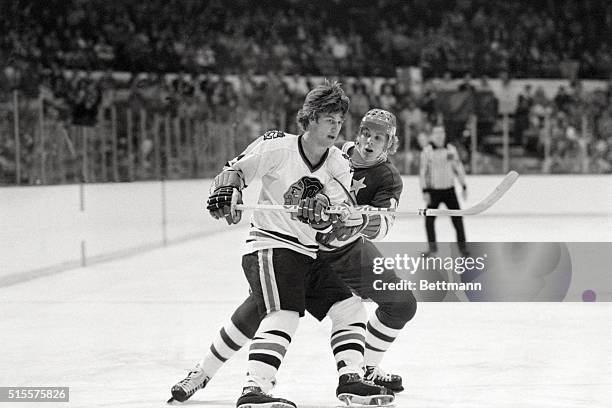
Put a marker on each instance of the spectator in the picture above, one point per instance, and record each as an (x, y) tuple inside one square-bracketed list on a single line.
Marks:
[(387, 99), (507, 102), (360, 102), (412, 119), (85, 102), (562, 99)]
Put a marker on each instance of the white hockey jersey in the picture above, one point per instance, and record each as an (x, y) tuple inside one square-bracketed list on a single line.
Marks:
[(287, 176)]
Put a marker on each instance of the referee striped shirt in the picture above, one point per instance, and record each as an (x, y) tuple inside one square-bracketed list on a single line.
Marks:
[(439, 166)]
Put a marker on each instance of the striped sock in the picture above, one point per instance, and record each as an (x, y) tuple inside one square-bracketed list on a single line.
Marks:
[(224, 346), (347, 346), (379, 338), (232, 337), (348, 334), (268, 348)]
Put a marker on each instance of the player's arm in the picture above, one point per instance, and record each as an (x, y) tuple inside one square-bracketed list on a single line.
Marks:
[(344, 227), (248, 162), (378, 225), (226, 189), (374, 226)]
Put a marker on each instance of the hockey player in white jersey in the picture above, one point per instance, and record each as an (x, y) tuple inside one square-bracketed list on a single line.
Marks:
[(305, 170)]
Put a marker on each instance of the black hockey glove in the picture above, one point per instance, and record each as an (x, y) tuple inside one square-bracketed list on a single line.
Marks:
[(312, 211), (226, 194), (221, 204)]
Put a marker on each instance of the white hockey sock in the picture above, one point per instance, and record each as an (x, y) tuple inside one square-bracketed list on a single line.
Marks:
[(224, 346), (268, 348), (379, 338), (347, 339)]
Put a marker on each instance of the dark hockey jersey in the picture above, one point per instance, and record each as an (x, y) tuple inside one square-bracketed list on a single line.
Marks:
[(380, 186), (377, 186)]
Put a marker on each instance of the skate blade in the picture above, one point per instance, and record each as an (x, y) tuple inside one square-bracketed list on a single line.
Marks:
[(370, 400), (267, 405), (175, 401)]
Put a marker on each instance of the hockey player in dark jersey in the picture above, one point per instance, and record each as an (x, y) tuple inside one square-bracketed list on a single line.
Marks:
[(345, 250), (376, 182)]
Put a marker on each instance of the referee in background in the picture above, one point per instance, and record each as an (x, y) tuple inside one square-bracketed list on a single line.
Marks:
[(440, 164)]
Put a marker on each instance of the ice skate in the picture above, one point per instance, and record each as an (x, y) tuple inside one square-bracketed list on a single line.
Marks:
[(352, 390), (184, 389), (253, 397), (379, 377)]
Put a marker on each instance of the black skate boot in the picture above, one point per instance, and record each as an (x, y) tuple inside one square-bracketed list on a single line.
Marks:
[(253, 397), (352, 390), (184, 389), (379, 377)]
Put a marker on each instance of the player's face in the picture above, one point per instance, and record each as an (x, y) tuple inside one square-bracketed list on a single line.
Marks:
[(371, 143), (326, 129)]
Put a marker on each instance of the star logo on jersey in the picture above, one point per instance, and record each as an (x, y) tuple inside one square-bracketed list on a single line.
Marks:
[(357, 185)]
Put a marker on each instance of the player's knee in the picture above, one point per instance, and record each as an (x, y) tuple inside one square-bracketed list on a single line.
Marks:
[(285, 321), (347, 312), (397, 314), (247, 317)]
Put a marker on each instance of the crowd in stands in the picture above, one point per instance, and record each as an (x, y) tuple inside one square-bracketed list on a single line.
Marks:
[(248, 68), (570, 132), (354, 37)]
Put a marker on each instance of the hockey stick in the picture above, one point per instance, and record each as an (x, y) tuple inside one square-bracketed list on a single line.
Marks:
[(478, 208)]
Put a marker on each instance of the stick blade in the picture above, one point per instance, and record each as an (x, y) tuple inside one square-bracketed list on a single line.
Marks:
[(494, 196)]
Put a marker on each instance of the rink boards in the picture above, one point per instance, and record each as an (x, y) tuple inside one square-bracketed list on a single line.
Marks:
[(119, 333)]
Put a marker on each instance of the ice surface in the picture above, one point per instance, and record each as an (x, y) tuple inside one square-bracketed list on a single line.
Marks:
[(121, 333)]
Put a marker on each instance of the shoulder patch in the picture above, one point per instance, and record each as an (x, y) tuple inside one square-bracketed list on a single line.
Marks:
[(346, 146), (273, 134), (339, 152), (350, 162)]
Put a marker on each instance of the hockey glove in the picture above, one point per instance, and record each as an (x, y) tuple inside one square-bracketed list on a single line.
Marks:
[(222, 204), (311, 210), (226, 194), (343, 230)]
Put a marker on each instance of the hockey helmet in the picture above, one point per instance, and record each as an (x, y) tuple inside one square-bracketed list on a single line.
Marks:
[(380, 119)]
